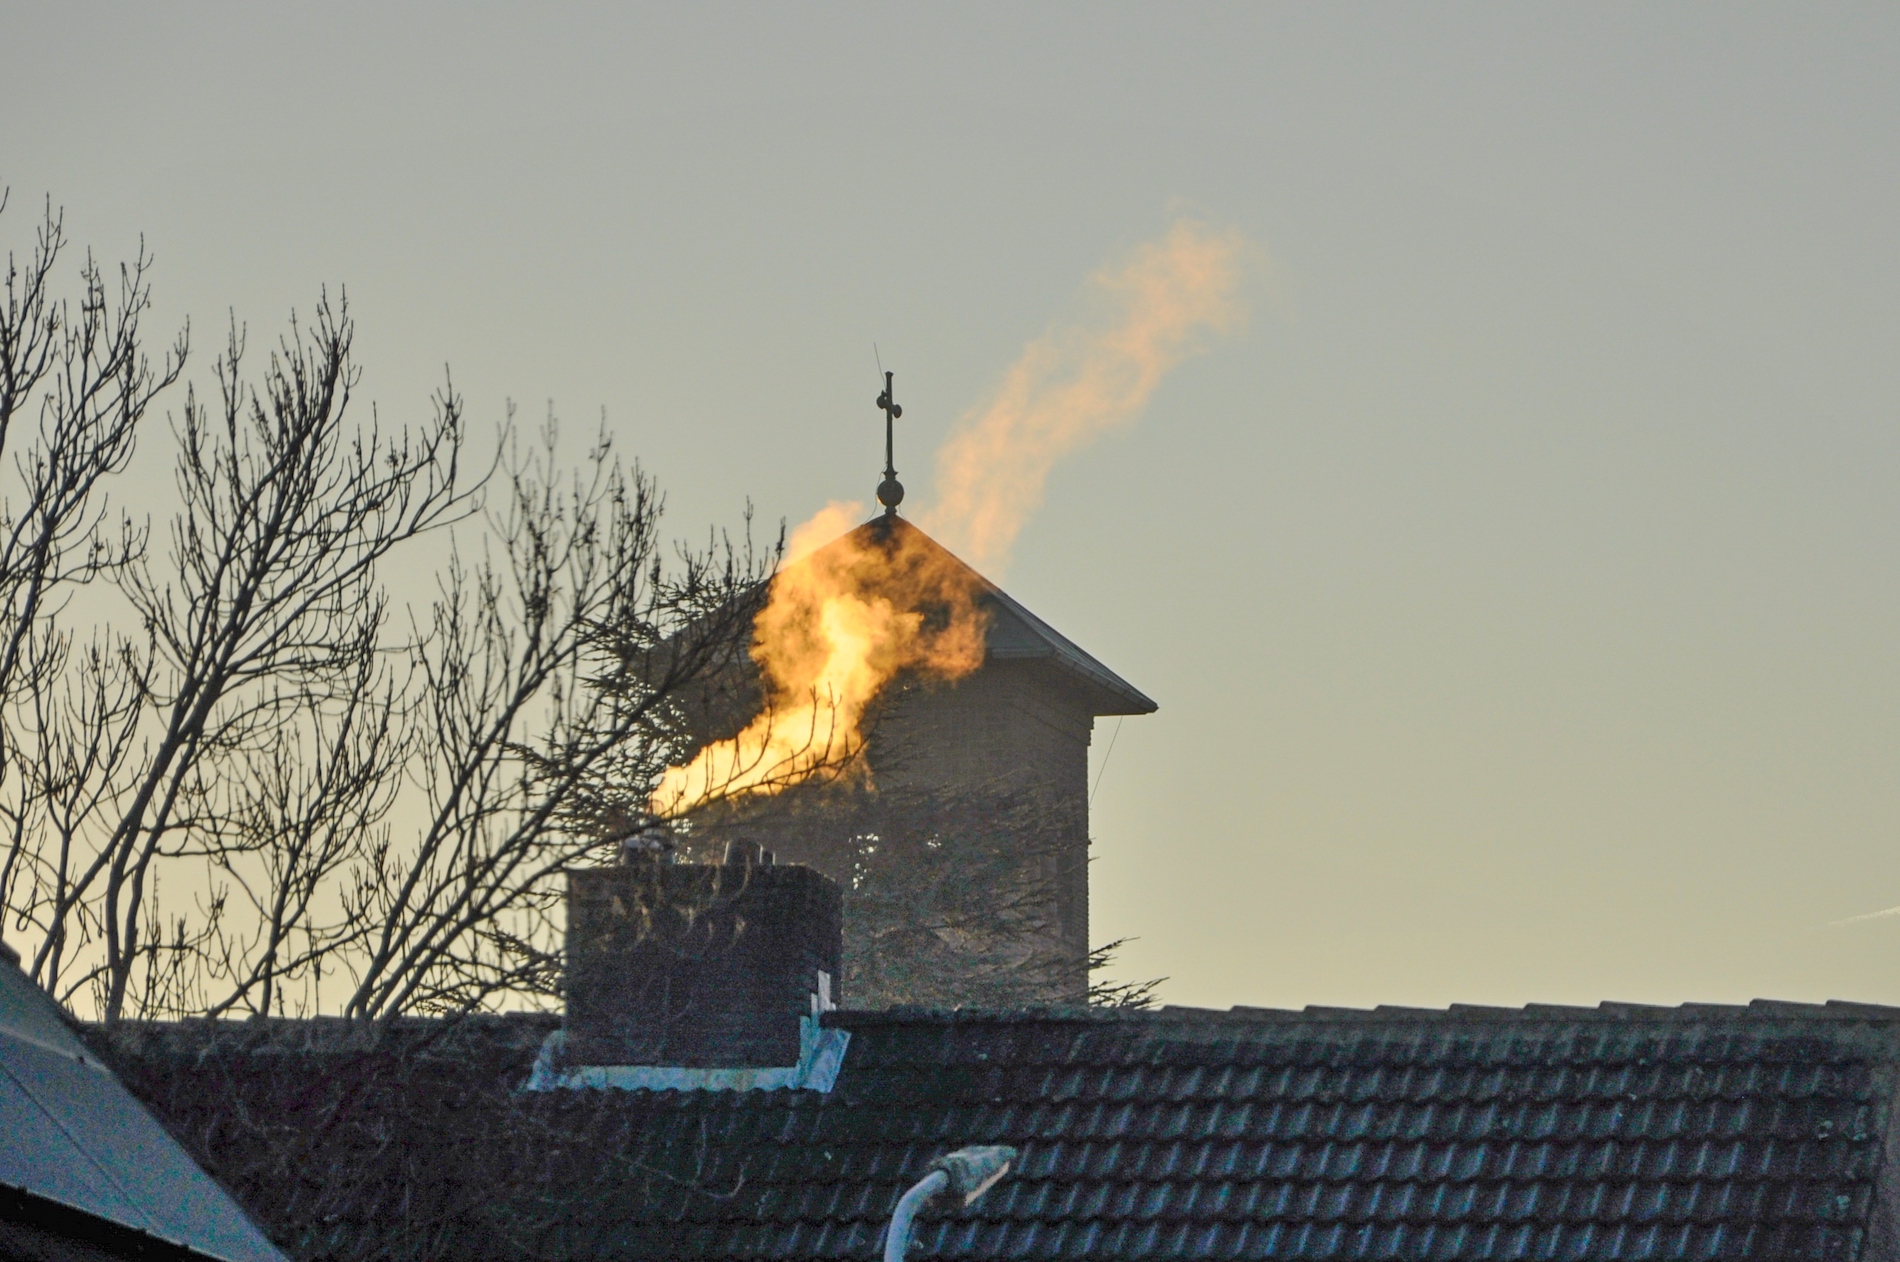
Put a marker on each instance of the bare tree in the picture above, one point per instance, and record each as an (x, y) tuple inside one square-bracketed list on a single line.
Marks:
[(552, 669), (255, 784), (75, 385), (92, 382), (260, 638)]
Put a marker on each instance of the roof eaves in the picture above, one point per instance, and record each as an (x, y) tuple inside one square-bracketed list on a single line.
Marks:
[(1066, 653), (63, 1224), (77, 1137)]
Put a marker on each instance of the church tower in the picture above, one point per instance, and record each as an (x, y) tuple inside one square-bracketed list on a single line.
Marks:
[(964, 852)]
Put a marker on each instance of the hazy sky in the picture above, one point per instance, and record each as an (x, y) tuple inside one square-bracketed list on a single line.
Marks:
[(1521, 589)]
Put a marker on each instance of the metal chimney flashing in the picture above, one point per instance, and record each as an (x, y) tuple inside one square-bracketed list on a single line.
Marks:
[(821, 1056)]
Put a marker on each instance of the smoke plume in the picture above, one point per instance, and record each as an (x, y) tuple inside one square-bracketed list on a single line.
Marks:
[(850, 611), (1076, 382)]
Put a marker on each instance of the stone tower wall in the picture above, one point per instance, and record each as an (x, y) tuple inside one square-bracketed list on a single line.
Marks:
[(1011, 726)]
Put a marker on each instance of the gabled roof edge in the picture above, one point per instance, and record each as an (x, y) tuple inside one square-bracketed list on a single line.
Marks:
[(1124, 697), (1065, 652)]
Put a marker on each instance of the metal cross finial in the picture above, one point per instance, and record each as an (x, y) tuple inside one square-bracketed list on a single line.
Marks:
[(890, 492)]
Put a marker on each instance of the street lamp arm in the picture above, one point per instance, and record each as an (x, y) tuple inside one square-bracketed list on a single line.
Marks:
[(969, 1172), (897, 1238)]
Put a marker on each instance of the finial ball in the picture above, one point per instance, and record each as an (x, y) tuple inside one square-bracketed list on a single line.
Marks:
[(890, 492)]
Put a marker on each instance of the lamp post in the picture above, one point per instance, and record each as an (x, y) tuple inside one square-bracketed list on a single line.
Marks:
[(969, 1172)]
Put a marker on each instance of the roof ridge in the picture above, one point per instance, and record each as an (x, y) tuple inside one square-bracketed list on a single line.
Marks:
[(1318, 1014)]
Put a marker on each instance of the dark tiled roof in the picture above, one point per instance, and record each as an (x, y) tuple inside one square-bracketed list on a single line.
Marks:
[(1617, 1132)]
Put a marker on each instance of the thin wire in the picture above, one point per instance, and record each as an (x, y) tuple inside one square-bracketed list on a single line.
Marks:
[(1103, 769), (880, 361)]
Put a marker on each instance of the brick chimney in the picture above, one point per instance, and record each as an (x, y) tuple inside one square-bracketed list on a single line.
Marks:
[(698, 965)]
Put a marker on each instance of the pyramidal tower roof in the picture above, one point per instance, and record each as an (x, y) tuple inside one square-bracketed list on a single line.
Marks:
[(1016, 634)]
